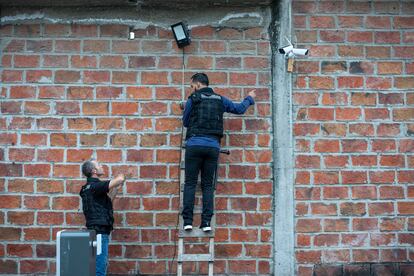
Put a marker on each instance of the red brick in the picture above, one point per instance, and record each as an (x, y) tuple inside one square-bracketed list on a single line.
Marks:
[(154, 78), (378, 83), (66, 76), (364, 224), (26, 61), (321, 82), (139, 93), (365, 255), (36, 202), (65, 46), (11, 169), (51, 92), (391, 98), (33, 266), (154, 108), (93, 139), (323, 209), (382, 177), (405, 208), (63, 139), (326, 177), (242, 266), (21, 154), (321, 22), (66, 171), (321, 114), (109, 123), (95, 108), (354, 177), (242, 172), (96, 46), (376, 113), (96, 76), (138, 124), (19, 250), (391, 130), (350, 51), (80, 123), (36, 169), (326, 146), (357, 145), (60, 61), (151, 140), (332, 36), (387, 37), (362, 129), (364, 160), (12, 76), (243, 79), (50, 155), (335, 193), (360, 36), (308, 256), (83, 61), (49, 218), (108, 92), (336, 225), (392, 160), (394, 255), (308, 225), (20, 218), (153, 171), (167, 124), (113, 30), (352, 209), (22, 92), (125, 46), (110, 156), (378, 52), (304, 161), (138, 251)]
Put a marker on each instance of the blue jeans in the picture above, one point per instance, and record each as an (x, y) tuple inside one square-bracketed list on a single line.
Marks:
[(102, 259)]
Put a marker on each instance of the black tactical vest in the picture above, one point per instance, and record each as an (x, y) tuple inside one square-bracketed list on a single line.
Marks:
[(97, 208), (206, 116)]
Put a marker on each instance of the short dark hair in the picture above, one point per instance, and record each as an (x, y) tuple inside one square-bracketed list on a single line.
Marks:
[(201, 78), (88, 167)]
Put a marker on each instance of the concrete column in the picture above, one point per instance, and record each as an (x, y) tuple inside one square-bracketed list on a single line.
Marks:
[(284, 258)]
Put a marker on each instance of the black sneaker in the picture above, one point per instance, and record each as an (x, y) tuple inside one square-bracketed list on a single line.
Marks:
[(205, 226)]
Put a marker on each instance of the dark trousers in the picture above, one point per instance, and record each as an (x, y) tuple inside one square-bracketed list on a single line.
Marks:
[(204, 159)]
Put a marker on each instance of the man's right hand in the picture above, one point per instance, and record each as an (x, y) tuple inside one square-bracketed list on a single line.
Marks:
[(252, 93), (118, 180), (121, 177)]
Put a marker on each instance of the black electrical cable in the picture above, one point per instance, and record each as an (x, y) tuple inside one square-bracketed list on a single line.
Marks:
[(179, 169)]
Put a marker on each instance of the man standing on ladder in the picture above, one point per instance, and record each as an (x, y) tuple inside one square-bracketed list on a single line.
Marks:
[(203, 118)]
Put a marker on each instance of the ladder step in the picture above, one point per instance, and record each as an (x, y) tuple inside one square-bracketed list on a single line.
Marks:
[(195, 233), (195, 258)]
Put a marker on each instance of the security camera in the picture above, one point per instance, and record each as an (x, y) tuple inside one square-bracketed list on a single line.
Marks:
[(285, 50), (290, 51), (300, 52)]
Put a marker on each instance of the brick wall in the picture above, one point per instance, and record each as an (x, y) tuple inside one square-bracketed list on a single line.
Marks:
[(353, 111), (70, 92)]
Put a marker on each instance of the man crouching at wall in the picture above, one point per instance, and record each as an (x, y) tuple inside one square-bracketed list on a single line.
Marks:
[(97, 199)]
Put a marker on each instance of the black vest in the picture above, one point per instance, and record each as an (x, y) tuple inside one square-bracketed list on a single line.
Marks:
[(206, 116), (97, 208)]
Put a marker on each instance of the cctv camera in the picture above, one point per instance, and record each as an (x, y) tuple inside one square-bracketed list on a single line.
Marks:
[(300, 52), (285, 50)]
